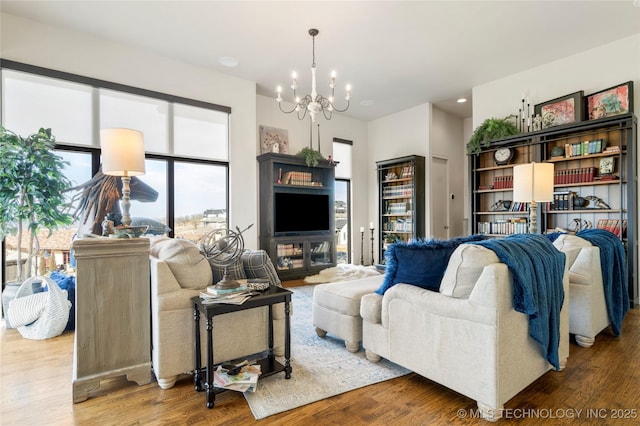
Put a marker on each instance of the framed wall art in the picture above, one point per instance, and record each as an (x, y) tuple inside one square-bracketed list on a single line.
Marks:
[(274, 140), (564, 110), (612, 101)]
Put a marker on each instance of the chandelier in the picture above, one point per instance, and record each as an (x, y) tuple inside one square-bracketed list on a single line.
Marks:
[(314, 103)]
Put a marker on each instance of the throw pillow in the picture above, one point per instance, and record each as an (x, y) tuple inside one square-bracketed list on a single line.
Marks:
[(464, 269), (257, 264), (235, 271), (421, 263), (183, 257)]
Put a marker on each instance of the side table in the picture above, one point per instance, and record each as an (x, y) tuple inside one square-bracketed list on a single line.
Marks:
[(203, 376)]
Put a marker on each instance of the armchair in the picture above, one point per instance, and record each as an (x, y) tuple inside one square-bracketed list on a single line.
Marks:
[(587, 306), (466, 336)]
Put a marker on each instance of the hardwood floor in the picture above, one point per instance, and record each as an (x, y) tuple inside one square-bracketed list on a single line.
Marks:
[(35, 382)]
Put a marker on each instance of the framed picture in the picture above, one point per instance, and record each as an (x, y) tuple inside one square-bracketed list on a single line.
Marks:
[(612, 101), (564, 110), (274, 140)]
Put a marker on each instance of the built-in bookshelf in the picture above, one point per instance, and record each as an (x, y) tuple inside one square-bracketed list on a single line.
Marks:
[(401, 205), (297, 216), (595, 182)]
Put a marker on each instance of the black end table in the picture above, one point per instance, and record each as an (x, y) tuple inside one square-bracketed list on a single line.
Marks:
[(268, 365)]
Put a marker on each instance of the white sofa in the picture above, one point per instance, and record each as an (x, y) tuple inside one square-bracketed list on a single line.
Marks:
[(467, 336), (587, 306), (178, 274)]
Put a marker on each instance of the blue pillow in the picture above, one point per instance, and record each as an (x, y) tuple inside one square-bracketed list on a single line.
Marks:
[(421, 263)]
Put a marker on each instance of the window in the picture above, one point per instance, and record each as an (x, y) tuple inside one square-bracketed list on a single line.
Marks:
[(342, 154), (187, 143)]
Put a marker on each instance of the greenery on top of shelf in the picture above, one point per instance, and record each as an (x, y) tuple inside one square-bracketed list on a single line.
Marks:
[(490, 129), (311, 156)]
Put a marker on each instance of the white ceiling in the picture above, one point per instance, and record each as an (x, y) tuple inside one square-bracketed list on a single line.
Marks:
[(398, 54)]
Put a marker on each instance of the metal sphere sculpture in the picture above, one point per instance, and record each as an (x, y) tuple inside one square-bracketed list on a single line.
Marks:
[(223, 247)]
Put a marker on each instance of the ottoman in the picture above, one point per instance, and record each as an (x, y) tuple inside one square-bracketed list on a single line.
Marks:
[(336, 308)]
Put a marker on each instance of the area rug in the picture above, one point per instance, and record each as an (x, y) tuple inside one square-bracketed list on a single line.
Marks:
[(322, 367), (342, 272)]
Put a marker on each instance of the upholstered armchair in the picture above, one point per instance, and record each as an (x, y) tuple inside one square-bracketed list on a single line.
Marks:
[(587, 306), (466, 335), (178, 273)]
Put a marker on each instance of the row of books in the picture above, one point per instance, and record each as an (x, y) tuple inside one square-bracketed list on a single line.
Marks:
[(398, 190), (561, 201), (503, 182), (517, 225), (615, 226), (577, 175), (298, 178), (398, 208), (289, 249), (323, 247), (398, 225), (584, 148)]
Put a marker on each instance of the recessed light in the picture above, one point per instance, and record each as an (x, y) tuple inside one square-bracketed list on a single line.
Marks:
[(366, 103), (228, 61), (462, 100)]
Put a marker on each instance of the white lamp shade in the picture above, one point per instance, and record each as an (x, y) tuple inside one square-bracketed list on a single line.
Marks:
[(122, 152), (533, 182)]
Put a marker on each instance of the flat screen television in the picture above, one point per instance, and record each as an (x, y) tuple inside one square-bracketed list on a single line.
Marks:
[(295, 213)]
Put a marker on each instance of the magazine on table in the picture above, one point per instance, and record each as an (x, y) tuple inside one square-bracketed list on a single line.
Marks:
[(237, 298), (245, 381)]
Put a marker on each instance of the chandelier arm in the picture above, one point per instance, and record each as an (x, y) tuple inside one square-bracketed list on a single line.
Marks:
[(341, 110), (285, 111), (325, 111)]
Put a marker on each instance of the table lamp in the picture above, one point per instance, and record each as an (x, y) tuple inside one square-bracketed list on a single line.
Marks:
[(123, 155), (533, 183)]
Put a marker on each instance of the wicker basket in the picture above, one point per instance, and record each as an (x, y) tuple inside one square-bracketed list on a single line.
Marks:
[(41, 315)]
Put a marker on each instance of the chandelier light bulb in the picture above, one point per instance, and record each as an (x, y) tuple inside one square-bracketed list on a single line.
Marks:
[(314, 102)]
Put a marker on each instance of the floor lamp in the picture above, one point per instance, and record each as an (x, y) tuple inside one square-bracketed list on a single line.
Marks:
[(533, 183), (123, 155)]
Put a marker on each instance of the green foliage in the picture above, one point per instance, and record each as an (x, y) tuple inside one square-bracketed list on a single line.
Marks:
[(490, 129), (32, 186), (311, 157)]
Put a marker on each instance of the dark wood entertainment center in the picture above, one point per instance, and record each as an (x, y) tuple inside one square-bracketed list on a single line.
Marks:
[(300, 242)]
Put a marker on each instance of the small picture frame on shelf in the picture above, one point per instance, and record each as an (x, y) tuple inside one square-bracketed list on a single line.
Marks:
[(607, 166), (563, 110), (615, 100)]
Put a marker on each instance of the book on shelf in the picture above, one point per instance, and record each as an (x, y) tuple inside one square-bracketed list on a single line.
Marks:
[(615, 226), (298, 178), (586, 147)]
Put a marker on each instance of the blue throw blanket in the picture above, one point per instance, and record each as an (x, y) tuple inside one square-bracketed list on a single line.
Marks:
[(614, 274), (537, 269)]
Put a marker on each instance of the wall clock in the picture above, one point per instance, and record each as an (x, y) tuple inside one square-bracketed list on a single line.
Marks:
[(503, 155), (606, 165)]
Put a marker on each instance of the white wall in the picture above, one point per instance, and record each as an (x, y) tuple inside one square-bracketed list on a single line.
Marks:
[(396, 135), (79, 53), (591, 71), (340, 126)]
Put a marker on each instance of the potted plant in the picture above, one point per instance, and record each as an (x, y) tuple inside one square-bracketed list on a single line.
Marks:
[(32, 186), (490, 129), (311, 156)]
